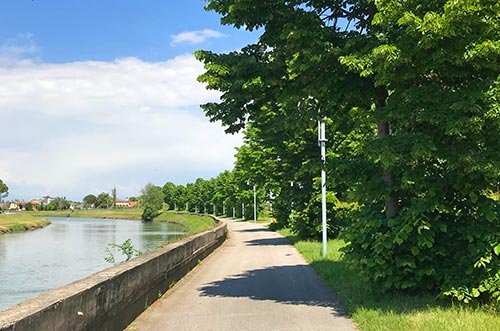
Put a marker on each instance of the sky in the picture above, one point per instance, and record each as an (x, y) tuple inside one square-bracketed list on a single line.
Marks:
[(99, 94)]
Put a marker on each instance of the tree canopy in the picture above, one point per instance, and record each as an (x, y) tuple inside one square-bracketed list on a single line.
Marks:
[(4, 189), (411, 95), (90, 200), (151, 200)]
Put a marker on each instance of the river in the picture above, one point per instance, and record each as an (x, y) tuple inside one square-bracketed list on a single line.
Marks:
[(34, 262)]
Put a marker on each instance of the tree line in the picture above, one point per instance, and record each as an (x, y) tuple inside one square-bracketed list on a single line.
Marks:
[(227, 192), (410, 92)]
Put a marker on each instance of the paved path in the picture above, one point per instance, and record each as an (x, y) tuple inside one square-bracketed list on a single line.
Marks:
[(255, 281)]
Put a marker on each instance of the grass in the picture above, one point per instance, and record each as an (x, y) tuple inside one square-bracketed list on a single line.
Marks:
[(20, 222), (373, 311), (192, 223)]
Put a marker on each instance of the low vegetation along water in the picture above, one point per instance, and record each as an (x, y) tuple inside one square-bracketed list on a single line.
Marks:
[(34, 262)]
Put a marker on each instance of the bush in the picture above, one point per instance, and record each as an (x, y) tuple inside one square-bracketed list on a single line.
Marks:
[(306, 223), (149, 214), (450, 250)]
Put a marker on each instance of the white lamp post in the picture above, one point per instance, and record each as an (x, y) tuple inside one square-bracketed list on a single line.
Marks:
[(254, 204), (322, 143)]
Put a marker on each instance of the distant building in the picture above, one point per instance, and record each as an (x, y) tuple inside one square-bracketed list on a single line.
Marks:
[(13, 206), (76, 205), (125, 203)]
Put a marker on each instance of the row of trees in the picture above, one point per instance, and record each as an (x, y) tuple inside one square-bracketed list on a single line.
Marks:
[(411, 94), (102, 200), (218, 195)]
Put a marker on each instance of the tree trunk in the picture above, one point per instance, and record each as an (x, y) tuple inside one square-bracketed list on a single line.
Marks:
[(391, 204)]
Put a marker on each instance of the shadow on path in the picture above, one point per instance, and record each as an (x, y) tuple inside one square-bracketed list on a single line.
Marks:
[(254, 230), (293, 284), (268, 242)]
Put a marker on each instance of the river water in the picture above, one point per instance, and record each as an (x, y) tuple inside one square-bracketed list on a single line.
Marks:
[(36, 261)]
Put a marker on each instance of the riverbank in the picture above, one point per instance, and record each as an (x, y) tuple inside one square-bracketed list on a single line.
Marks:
[(374, 311), (193, 223), (21, 222)]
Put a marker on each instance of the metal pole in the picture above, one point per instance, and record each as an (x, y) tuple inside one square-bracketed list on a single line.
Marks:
[(322, 143), (234, 212), (254, 204), (243, 210), (213, 207), (224, 209)]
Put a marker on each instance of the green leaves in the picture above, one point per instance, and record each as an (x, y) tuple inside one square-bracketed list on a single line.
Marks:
[(496, 249), (423, 76)]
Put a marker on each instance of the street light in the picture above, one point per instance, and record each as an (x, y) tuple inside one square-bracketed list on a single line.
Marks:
[(322, 143), (254, 204)]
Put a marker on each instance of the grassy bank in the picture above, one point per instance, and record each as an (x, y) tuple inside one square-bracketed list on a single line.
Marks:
[(192, 223), (374, 312), (20, 222)]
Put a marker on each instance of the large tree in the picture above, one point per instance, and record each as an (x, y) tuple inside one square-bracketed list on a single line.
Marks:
[(151, 200), (104, 200), (90, 201)]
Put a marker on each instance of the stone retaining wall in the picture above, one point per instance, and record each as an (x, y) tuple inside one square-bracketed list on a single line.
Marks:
[(113, 298)]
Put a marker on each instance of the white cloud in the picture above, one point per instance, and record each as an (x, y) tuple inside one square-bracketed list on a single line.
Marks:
[(84, 127), (195, 37)]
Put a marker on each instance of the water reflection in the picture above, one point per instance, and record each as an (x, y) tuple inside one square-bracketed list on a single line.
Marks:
[(69, 249)]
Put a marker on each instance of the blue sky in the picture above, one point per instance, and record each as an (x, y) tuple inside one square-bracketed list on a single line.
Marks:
[(106, 29), (103, 93)]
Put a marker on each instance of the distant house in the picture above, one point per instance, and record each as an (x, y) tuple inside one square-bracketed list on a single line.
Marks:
[(13, 206), (122, 203), (125, 203), (76, 206)]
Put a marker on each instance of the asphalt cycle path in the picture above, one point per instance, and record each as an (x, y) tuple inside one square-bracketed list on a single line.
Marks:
[(255, 281)]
